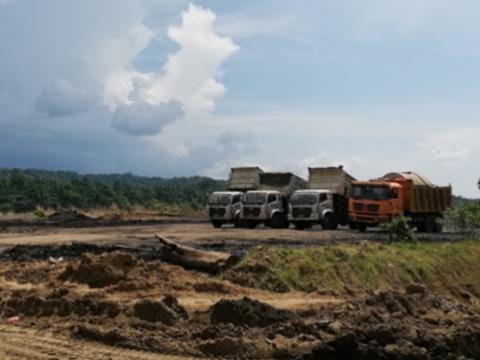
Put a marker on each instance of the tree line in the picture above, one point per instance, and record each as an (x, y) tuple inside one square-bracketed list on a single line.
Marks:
[(27, 190)]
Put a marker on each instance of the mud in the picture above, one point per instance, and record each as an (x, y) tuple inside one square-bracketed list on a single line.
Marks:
[(126, 300), (167, 311), (397, 325), (248, 312)]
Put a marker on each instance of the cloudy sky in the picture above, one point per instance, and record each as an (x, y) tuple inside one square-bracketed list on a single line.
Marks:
[(172, 87)]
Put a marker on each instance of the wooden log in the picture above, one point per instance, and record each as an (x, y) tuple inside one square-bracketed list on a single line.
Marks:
[(190, 258)]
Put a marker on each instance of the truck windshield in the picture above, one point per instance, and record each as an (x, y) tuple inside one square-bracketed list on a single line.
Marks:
[(371, 192), (255, 198), (219, 199), (304, 199)]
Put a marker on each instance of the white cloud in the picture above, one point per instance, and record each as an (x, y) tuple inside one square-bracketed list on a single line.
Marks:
[(454, 147), (189, 75)]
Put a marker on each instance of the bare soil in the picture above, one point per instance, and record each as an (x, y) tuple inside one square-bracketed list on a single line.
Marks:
[(107, 296)]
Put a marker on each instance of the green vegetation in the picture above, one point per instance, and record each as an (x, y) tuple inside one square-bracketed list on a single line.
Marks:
[(398, 229), (27, 190), (464, 216), (449, 267)]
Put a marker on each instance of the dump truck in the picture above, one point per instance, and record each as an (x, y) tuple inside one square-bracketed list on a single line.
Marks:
[(325, 202), (399, 193), (269, 204), (224, 207)]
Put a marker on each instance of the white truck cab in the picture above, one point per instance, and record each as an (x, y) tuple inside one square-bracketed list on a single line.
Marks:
[(269, 207), (224, 207), (310, 207)]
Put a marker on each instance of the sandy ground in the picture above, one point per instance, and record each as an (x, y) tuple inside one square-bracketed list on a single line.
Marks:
[(86, 307), (201, 235)]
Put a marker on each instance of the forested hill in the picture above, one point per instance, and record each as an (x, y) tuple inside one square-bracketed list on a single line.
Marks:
[(25, 190)]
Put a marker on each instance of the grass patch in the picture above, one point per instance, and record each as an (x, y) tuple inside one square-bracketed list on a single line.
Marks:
[(448, 267)]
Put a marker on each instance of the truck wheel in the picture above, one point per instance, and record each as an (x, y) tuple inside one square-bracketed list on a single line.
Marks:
[(361, 227), (251, 224), (329, 222), (278, 221), (430, 224), (352, 225), (217, 223), (438, 227)]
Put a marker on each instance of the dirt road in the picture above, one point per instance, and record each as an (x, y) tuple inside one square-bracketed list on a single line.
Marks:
[(200, 235)]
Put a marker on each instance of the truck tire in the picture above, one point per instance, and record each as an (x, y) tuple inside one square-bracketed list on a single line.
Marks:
[(329, 222), (430, 224), (438, 227), (278, 221), (251, 224), (217, 223), (361, 227), (352, 225)]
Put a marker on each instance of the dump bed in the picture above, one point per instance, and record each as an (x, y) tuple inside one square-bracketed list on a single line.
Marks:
[(244, 178), (427, 199), (335, 179), (420, 195), (284, 182)]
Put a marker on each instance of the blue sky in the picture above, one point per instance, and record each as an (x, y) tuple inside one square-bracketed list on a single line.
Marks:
[(179, 88)]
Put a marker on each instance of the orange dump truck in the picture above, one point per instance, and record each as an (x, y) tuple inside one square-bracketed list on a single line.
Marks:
[(405, 193)]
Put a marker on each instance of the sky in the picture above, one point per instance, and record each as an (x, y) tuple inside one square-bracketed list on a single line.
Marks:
[(174, 88)]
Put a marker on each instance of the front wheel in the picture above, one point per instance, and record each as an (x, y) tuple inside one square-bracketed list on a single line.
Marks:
[(352, 225), (278, 221), (329, 222)]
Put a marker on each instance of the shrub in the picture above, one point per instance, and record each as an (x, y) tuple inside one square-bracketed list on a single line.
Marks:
[(39, 213), (463, 217), (399, 229)]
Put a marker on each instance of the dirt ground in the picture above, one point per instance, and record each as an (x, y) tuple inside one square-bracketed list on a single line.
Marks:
[(201, 235), (89, 300)]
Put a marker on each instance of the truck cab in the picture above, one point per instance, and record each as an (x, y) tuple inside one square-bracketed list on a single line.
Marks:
[(311, 207), (224, 207), (374, 202), (266, 207)]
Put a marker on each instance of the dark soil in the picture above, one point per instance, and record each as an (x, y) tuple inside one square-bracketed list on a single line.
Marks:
[(248, 312)]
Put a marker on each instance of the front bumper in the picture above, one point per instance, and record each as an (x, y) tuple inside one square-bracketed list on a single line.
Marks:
[(367, 218)]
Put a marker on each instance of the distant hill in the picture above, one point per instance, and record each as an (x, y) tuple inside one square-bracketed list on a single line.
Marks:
[(25, 190), (461, 200)]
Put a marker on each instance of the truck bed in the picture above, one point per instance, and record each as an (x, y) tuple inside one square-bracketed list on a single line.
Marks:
[(426, 199)]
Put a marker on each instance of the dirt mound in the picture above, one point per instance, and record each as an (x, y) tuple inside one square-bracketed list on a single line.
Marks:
[(224, 346), (100, 271), (396, 325), (167, 311), (57, 303), (68, 216), (248, 312)]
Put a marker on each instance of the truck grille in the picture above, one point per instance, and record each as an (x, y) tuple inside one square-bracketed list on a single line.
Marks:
[(373, 207), (251, 211), (358, 206), (217, 212), (302, 212)]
